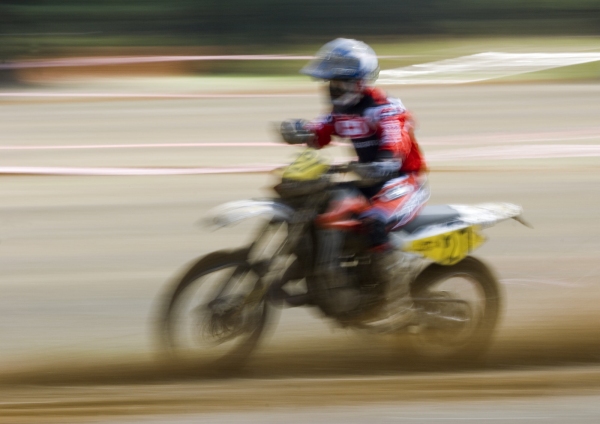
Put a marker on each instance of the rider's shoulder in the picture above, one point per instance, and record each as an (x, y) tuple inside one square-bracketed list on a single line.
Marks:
[(377, 95), (382, 105)]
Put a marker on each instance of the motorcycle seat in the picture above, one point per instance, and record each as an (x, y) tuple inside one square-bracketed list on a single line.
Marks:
[(430, 215)]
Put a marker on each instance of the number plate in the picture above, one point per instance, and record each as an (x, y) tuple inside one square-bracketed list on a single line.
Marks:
[(447, 248)]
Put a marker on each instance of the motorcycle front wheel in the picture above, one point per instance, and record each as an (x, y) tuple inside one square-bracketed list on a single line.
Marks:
[(215, 313), (459, 307)]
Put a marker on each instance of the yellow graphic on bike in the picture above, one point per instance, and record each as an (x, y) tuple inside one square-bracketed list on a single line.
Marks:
[(308, 166), (447, 248)]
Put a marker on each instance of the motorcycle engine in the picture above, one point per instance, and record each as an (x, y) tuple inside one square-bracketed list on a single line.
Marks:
[(346, 287)]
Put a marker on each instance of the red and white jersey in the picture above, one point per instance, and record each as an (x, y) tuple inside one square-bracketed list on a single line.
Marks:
[(376, 123)]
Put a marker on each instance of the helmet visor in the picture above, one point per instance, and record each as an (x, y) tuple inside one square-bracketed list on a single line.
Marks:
[(333, 67)]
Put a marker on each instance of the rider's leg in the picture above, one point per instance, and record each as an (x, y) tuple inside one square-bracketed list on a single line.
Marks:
[(398, 202), (386, 261), (338, 295)]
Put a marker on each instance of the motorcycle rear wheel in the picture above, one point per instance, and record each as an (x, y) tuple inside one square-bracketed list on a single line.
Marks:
[(473, 308), (215, 313)]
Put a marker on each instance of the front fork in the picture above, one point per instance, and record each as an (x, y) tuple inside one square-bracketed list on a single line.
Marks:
[(269, 254)]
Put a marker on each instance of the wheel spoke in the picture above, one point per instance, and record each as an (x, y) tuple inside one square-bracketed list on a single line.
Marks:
[(216, 311), (459, 306)]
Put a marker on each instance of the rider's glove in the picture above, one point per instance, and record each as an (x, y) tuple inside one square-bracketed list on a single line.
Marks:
[(294, 131), (374, 172)]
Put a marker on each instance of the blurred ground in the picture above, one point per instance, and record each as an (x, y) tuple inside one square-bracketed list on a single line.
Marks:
[(84, 260)]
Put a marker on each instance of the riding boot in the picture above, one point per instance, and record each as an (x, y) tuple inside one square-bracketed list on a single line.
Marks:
[(388, 269)]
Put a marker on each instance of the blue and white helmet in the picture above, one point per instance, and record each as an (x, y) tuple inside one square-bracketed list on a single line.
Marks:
[(348, 65), (344, 59)]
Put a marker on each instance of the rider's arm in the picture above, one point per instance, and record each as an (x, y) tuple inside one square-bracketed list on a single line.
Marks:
[(323, 129), (396, 134), (398, 137), (395, 129), (315, 134), (386, 166)]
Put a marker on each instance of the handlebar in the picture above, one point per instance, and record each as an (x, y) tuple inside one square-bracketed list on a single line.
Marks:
[(339, 168)]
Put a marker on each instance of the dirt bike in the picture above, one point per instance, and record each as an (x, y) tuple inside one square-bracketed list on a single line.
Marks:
[(218, 309)]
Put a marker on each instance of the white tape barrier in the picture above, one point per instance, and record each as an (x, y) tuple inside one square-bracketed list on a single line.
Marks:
[(532, 151), (130, 60), (104, 61), (147, 146), (459, 140), (456, 156), (54, 95), (50, 170), (482, 67)]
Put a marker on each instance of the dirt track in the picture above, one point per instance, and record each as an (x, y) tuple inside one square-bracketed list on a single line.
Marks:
[(85, 259)]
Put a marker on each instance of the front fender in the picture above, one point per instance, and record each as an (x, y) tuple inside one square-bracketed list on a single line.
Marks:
[(233, 212)]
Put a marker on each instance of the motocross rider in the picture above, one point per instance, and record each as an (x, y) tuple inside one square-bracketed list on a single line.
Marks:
[(390, 165)]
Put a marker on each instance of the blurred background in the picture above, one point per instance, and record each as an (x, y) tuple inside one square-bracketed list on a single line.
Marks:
[(54, 28), (123, 121)]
